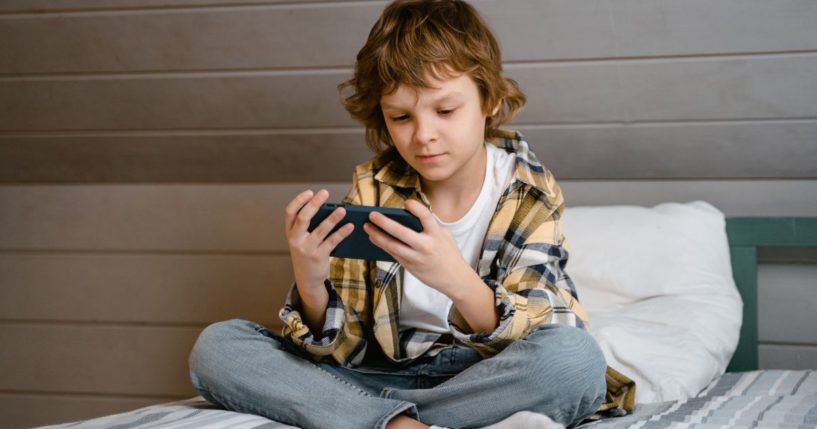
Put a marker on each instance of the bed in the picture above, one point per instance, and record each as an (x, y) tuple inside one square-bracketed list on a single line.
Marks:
[(672, 261)]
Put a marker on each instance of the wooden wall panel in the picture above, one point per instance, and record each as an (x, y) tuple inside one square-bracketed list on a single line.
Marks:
[(46, 6), (263, 156), (103, 359), (263, 99), (145, 35), (672, 151), (734, 198), (750, 150), (233, 38), (148, 218), (177, 289), (722, 89), (780, 356), (787, 311), (701, 27)]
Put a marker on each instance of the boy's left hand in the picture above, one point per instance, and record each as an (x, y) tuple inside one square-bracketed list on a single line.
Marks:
[(431, 255)]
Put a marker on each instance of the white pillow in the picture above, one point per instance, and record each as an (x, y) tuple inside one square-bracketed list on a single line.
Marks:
[(658, 285)]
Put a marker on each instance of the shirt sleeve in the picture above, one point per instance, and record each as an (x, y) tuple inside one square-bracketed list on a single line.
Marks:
[(530, 285), (343, 334)]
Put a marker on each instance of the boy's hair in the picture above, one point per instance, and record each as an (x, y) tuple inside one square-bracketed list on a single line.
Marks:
[(416, 38)]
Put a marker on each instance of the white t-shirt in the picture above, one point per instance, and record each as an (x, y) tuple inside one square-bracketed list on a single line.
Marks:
[(426, 308)]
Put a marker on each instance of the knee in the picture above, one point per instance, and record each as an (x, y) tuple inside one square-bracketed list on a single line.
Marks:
[(218, 342), (572, 349), (573, 357)]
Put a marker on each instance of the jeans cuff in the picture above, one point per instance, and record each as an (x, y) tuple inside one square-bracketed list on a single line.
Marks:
[(401, 408)]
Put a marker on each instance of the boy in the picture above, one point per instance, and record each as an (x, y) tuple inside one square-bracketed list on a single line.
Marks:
[(477, 320)]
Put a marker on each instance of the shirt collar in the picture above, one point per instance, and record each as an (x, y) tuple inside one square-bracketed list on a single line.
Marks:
[(397, 173), (528, 169)]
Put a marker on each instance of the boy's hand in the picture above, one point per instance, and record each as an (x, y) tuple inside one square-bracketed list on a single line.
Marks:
[(310, 251), (432, 255)]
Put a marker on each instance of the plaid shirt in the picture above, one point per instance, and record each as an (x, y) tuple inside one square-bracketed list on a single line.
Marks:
[(523, 257)]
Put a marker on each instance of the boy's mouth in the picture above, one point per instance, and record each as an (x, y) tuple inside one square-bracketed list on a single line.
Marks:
[(433, 157)]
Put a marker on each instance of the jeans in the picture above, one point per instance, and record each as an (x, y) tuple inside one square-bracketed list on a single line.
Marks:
[(556, 370)]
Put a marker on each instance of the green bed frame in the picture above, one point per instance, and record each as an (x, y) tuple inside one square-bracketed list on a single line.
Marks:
[(746, 235)]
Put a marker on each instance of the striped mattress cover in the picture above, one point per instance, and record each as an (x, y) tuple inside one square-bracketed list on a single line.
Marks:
[(756, 399)]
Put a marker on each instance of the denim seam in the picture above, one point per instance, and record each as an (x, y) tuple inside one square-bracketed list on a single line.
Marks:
[(359, 390)]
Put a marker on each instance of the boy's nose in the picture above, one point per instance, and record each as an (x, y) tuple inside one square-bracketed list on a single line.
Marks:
[(425, 132)]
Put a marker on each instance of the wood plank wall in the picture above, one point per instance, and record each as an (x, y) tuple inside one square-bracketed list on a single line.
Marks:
[(147, 148)]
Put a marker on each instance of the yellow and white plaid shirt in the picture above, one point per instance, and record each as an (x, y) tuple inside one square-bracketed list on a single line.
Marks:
[(523, 260)]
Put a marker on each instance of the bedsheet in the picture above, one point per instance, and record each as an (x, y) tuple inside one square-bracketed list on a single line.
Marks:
[(755, 399)]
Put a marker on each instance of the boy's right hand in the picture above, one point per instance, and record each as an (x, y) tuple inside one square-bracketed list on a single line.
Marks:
[(310, 251)]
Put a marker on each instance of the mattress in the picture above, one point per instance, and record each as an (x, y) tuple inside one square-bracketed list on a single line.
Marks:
[(755, 399)]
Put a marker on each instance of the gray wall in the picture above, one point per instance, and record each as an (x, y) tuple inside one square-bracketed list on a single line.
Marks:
[(147, 148)]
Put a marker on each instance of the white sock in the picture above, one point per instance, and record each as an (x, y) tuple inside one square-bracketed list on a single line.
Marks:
[(526, 420), (521, 420)]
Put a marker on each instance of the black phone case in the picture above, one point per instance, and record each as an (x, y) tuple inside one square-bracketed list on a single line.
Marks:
[(357, 245)]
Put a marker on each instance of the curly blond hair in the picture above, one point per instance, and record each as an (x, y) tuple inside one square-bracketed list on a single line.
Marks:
[(414, 39)]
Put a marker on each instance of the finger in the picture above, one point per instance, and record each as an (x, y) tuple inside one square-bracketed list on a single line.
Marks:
[(294, 207), (333, 240), (308, 211), (423, 213), (399, 250), (300, 224), (325, 227), (394, 228)]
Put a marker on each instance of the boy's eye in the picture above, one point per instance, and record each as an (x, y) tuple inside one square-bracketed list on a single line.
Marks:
[(401, 118)]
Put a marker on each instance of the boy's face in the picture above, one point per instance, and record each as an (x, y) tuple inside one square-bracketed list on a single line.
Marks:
[(439, 131)]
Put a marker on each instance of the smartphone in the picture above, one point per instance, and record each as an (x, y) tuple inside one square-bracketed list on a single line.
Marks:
[(357, 245)]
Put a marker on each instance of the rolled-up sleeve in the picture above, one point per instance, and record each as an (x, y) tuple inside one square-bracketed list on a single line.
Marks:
[(320, 343), (343, 334)]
